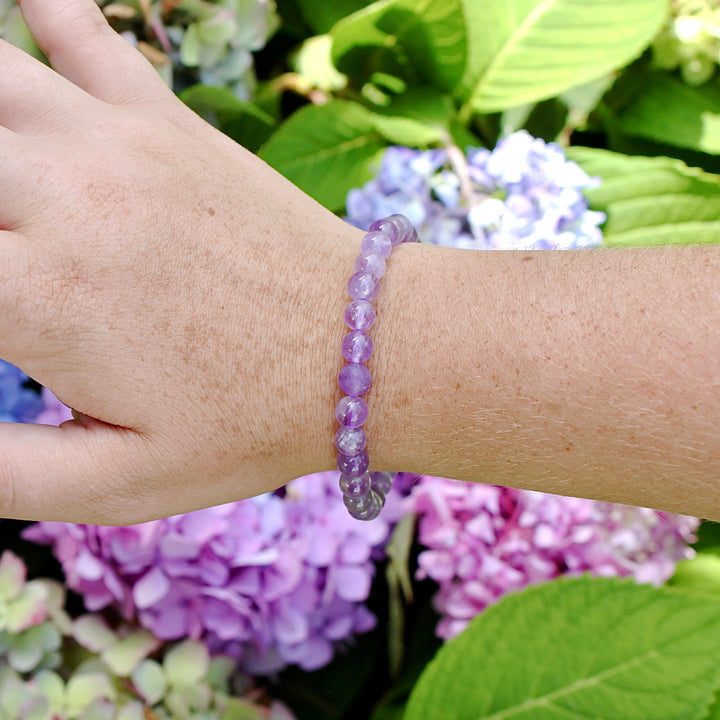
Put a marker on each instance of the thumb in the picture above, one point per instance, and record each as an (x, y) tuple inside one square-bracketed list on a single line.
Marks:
[(63, 473)]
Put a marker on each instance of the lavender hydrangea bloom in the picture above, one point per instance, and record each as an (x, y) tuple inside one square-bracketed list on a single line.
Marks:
[(523, 195), (273, 580), (484, 541), (18, 403)]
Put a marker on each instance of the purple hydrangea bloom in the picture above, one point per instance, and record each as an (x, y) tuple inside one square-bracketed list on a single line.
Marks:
[(18, 403), (53, 412), (484, 541), (523, 195), (274, 580)]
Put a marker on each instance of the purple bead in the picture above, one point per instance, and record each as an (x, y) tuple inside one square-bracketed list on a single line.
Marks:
[(354, 380), (371, 263), (351, 411), (382, 481), (405, 229), (355, 487), (359, 315), (377, 243), (363, 286), (353, 465), (387, 227), (350, 441), (367, 507), (356, 346)]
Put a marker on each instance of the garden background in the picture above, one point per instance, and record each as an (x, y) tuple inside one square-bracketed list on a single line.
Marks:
[(493, 124)]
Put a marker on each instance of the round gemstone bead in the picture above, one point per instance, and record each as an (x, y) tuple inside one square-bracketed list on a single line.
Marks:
[(367, 507), (377, 243), (381, 481), (363, 286), (387, 227), (359, 315), (371, 263), (354, 379), (350, 441), (355, 487), (351, 411), (356, 346), (406, 230), (353, 465)]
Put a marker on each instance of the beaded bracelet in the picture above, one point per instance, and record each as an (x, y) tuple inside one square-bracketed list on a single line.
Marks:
[(364, 491)]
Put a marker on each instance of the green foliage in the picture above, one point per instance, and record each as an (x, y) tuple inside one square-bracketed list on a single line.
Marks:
[(535, 49), (326, 149), (579, 648), (691, 120), (419, 40), (652, 201)]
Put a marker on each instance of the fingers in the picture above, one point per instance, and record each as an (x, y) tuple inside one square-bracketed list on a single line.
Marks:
[(82, 46), (63, 473), (32, 96)]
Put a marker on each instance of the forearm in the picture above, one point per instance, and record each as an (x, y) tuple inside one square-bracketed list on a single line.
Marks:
[(590, 373)]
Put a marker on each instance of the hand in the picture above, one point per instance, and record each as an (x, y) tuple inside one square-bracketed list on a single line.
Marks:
[(161, 280)]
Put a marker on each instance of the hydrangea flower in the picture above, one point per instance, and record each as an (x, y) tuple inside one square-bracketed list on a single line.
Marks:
[(18, 402), (274, 580), (484, 541), (523, 195), (208, 41)]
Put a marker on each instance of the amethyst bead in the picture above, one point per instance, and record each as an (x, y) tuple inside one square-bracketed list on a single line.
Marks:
[(370, 263), (363, 491), (356, 346), (351, 411), (355, 487), (363, 286), (377, 243), (367, 507), (381, 482), (350, 441), (359, 315), (354, 379), (353, 465)]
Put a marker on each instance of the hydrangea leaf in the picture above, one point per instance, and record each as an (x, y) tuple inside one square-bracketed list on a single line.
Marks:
[(326, 150), (577, 648), (669, 111), (652, 201), (422, 40), (321, 15), (700, 574), (530, 50), (243, 121)]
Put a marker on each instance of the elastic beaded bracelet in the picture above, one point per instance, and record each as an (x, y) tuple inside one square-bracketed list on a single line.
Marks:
[(364, 491)]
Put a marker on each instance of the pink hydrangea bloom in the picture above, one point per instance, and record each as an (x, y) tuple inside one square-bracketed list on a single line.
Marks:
[(273, 580), (484, 541)]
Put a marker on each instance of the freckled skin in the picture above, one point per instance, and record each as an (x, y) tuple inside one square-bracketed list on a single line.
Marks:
[(187, 302)]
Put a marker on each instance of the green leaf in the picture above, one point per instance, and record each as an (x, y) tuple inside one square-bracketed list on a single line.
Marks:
[(530, 50), (699, 574), (244, 122), (669, 111), (326, 150), (321, 15), (578, 648), (652, 201), (409, 38)]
